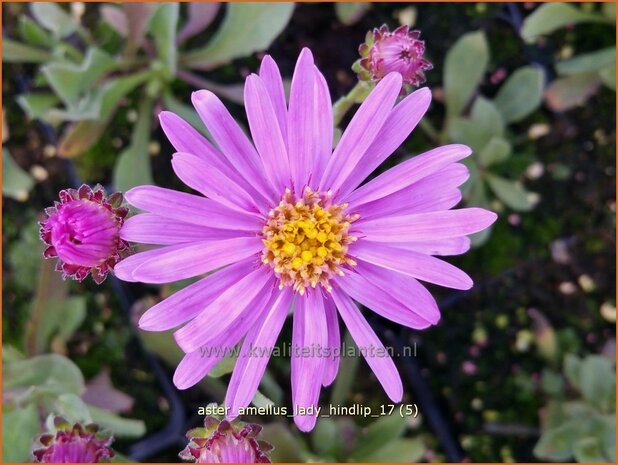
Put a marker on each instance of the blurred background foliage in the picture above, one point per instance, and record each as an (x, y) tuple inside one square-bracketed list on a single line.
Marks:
[(522, 368)]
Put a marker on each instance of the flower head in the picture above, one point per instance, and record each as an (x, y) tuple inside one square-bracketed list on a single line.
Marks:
[(401, 51), (284, 222), (82, 230), (225, 442), (73, 444)]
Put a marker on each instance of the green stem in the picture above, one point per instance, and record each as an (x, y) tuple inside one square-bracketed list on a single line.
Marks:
[(343, 105)]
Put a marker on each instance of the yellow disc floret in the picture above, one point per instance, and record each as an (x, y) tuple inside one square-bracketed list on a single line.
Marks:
[(306, 240)]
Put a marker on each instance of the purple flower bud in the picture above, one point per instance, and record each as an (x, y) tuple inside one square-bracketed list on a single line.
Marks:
[(384, 52), (225, 442), (73, 444), (82, 231)]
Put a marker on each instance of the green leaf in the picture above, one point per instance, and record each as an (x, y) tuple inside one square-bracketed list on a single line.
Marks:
[(597, 381), (71, 407), (247, 28), (80, 137), (569, 92), (556, 444), (510, 192), (69, 80), (487, 116), (324, 437), (405, 450), (11, 354), (554, 415), (16, 183), (25, 256), (119, 426), (163, 28), (572, 370), (19, 428), (551, 382), (51, 371), (496, 151), (552, 16), (133, 165), (578, 409), (36, 106), (53, 18), (588, 62), (61, 319), (485, 123), (33, 34), (102, 101), (608, 76), (351, 12), (608, 437), (377, 434), (16, 52), (464, 67), (521, 94), (287, 446), (589, 450)]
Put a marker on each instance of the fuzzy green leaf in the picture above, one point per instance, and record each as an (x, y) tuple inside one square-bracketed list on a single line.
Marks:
[(496, 151), (521, 94), (597, 382), (133, 165), (16, 52), (36, 106), (588, 62), (51, 371), (53, 18), (379, 433), (246, 28), (464, 67), (510, 192), (33, 34), (19, 427), (119, 426), (16, 183), (69, 80), (608, 76), (552, 16), (404, 450), (163, 28)]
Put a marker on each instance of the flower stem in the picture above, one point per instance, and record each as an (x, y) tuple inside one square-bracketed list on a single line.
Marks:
[(358, 93)]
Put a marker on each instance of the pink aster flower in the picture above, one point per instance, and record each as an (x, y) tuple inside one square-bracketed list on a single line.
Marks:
[(399, 51), (225, 442), (73, 444), (82, 231), (284, 222)]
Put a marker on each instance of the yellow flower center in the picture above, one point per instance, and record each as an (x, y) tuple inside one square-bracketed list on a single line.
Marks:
[(306, 240)]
